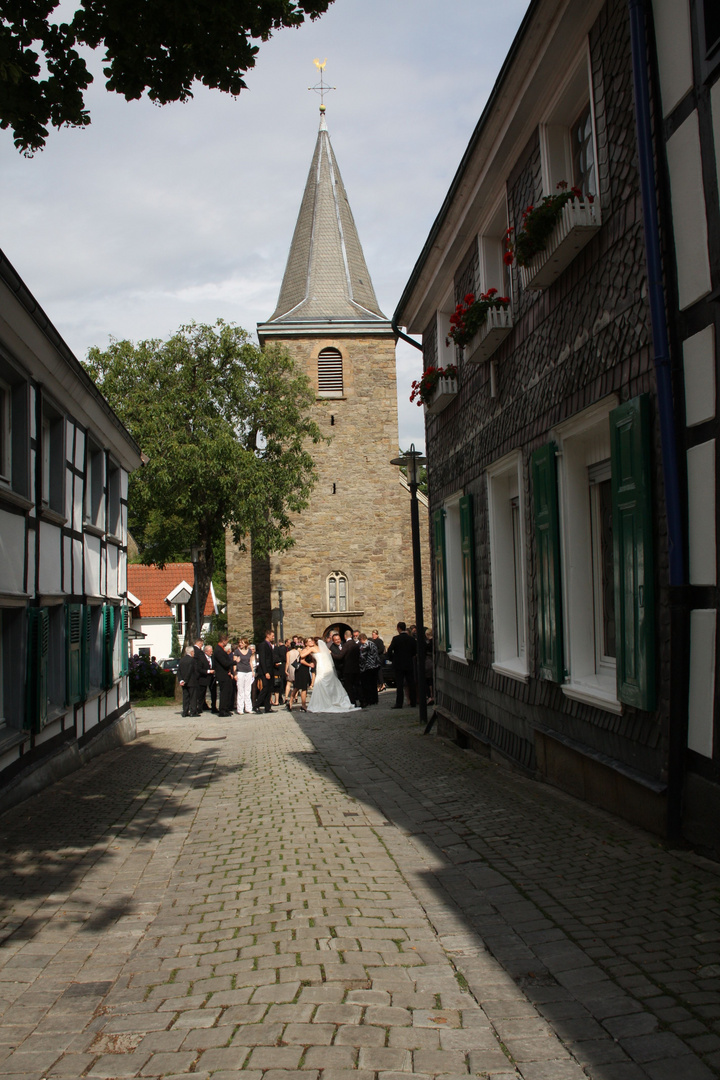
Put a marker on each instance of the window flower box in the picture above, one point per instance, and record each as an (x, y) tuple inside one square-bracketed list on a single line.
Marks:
[(576, 226), (497, 326), (445, 390)]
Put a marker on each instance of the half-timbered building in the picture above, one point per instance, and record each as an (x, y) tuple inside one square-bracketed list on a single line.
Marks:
[(64, 464)]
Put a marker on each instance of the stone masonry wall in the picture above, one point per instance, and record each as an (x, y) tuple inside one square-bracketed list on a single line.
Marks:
[(358, 520)]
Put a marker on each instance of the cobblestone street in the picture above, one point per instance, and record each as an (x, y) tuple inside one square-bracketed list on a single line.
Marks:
[(309, 899)]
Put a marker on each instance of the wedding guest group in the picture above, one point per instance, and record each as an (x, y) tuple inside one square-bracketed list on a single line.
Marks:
[(341, 672)]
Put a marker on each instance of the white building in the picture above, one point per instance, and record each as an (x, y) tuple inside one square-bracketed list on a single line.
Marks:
[(64, 464), (157, 599)]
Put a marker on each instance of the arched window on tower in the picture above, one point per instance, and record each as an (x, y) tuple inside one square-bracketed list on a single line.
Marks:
[(330, 373), (337, 592)]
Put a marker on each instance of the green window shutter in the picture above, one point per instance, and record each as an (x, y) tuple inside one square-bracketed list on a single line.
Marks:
[(124, 659), (37, 668), (468, 572), (86, 627), (547, 539), (440, 575), (633, 552), (73, 653), (108, 634)]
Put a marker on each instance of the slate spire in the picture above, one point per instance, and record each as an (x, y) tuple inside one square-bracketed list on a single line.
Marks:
[(326, 278)]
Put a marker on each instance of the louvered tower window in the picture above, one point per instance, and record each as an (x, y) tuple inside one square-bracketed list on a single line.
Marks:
[(330, 373)]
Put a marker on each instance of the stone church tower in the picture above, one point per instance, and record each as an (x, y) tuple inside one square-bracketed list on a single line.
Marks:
[(351, 564)]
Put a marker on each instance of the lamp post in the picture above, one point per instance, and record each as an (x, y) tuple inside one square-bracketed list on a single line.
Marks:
[(413, 460), (280, 620)]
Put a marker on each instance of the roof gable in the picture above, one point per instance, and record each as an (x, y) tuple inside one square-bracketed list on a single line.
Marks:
[(152, 586)]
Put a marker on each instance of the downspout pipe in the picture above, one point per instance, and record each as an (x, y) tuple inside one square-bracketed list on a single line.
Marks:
[(656, 295)]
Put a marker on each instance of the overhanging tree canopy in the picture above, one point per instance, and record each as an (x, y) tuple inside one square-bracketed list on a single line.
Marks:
[(225, 426), (161, 46)]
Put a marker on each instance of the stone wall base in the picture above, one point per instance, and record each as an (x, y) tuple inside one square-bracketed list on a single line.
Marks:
[(578, 771), (66, 759)]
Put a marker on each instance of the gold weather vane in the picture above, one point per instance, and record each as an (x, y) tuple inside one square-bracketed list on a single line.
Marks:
[(322, 87)]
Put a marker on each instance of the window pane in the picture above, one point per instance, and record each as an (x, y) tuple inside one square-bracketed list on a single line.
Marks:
[(584, 153), (606, 559), (342, 589), (332, 594), (517, 563), (4, 431)]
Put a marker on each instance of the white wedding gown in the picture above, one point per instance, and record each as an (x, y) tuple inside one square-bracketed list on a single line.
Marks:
[(328, 694)]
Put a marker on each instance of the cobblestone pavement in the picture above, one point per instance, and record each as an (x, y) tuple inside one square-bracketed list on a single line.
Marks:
[(325, 899)]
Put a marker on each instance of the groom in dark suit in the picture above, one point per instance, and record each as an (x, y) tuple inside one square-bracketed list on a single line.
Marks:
[(350, 677)]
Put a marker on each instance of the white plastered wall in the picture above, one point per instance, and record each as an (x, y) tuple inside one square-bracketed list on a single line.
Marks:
[(701, 699), (688, 210)]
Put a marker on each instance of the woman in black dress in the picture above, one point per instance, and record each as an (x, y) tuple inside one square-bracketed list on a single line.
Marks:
[(303, 673)]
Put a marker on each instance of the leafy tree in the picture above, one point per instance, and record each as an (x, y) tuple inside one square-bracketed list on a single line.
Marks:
[(161, 46), (225, 428)]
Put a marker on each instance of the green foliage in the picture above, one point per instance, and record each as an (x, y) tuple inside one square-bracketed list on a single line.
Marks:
[(160, 47), (175, 651), (539, 221), (226, 431)]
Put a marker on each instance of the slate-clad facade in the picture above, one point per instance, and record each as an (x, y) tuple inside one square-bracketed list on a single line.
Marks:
[(561, 641), (64, 465)]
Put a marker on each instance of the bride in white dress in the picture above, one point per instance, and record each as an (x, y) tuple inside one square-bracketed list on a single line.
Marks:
[(328, 694)]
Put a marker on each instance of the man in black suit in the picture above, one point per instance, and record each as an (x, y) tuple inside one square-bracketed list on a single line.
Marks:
[(223, 664), (211, 683), (203, 667), (351, 671), (264, 676), (188, 679), (402, 651), (336, 648)]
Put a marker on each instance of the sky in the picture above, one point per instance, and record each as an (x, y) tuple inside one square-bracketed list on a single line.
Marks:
[(154, 217)]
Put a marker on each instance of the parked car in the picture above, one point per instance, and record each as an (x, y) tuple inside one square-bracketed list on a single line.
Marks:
[(171, 664)]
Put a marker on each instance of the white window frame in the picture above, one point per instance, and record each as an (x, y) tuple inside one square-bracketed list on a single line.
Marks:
[(494, 274), (454, 579), (507, 566), (445, 353), (556, 151), (113, 495), (583, 441)]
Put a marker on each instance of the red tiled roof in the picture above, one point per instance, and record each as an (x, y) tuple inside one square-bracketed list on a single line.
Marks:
[(151, 585)]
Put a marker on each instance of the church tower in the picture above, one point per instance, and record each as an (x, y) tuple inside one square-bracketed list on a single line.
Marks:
[(351, 563)]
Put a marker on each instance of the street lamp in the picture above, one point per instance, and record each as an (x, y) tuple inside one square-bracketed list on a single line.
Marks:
[(412, 460), (280, 611)]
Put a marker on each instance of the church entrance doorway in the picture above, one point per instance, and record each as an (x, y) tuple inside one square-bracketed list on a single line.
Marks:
[(336, 628)]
